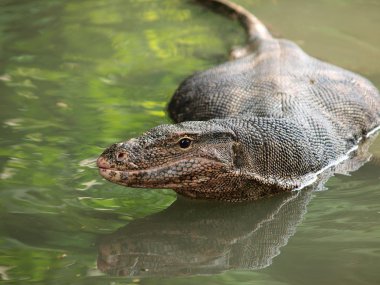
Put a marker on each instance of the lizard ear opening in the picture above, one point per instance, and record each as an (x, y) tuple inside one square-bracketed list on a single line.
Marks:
[(238, 155)]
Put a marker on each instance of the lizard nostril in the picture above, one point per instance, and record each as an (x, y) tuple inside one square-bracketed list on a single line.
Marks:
[(120, 156)]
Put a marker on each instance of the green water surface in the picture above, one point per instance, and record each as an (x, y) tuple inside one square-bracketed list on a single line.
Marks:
[(76, 76)]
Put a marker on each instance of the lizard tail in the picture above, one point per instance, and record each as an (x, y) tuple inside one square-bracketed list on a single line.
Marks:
[(253, 26)]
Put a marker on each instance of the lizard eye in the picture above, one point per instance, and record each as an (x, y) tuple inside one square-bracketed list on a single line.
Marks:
[(184, 143)]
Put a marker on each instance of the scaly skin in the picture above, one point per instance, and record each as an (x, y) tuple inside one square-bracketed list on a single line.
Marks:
[(269, 121)]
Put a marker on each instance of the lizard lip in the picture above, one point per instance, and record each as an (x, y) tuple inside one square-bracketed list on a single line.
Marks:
[(102, 163), (105, 172), (140, 177)]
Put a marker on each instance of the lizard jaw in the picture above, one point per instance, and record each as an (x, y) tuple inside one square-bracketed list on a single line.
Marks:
[(180, 173)]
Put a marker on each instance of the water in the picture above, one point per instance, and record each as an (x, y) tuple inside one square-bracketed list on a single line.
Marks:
[(76, 76)]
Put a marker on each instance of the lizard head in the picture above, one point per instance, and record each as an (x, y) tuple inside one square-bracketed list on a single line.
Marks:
[(185, 155)]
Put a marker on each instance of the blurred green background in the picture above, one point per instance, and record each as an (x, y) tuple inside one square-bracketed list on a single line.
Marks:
[(76, 76)]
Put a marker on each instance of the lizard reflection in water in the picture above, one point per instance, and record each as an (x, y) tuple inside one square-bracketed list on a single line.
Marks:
[(204, 237)]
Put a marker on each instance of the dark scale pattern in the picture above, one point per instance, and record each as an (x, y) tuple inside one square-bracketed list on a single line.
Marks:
[(260, 124)]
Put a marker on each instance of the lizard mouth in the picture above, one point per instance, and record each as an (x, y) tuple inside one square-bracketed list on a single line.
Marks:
[(176, 174)]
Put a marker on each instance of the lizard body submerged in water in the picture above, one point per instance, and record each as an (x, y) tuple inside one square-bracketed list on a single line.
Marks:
[(268, 121)]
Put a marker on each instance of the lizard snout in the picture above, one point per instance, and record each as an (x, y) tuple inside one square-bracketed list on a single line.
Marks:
[(103, 163)]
